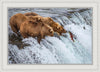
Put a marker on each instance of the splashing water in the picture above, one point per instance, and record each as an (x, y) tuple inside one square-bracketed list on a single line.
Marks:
[(57, 49)]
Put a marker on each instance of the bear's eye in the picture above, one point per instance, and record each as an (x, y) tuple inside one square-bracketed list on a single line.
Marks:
[(35, 23), (62, 30), (42, 24), (50, 30), (31, 22)]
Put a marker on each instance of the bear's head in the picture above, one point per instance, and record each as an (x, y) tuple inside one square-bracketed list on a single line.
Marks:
[(60, 29), (47, 30), (56, 26)]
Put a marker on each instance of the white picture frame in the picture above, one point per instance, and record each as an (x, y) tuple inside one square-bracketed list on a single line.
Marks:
[(4, 67)]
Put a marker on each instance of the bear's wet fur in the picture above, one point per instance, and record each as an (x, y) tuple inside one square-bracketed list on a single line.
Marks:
[(56, 26), (32, 24), (35, 29), (48, 20), (30, 14), (16, 20)]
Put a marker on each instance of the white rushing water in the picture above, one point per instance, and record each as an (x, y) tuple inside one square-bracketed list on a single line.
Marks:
[(57, 49)]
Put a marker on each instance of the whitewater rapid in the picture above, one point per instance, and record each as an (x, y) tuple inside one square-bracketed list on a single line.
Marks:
[(57, 49)]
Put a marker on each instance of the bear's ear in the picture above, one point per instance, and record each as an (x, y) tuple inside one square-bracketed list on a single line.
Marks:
[(38, 19), (49, 18)]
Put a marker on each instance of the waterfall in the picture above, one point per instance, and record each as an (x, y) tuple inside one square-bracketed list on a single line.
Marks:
[(57, 49)]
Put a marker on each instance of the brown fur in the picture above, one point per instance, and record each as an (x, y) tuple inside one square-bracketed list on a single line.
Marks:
[(56, 27), (16, 20), (30, 14), (39, 30), (34, 18)]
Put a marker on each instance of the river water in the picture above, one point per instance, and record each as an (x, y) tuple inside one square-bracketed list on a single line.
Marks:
[(57, 49)]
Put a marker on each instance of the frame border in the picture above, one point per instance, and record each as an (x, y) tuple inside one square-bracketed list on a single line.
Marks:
[(71, 70)]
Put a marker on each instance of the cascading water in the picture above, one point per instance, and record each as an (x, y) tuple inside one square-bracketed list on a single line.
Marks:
[(57, 49)]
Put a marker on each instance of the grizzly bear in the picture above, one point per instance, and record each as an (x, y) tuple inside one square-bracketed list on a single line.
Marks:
[(35, 29), (47, 20), (56, 26), (16, 20)]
